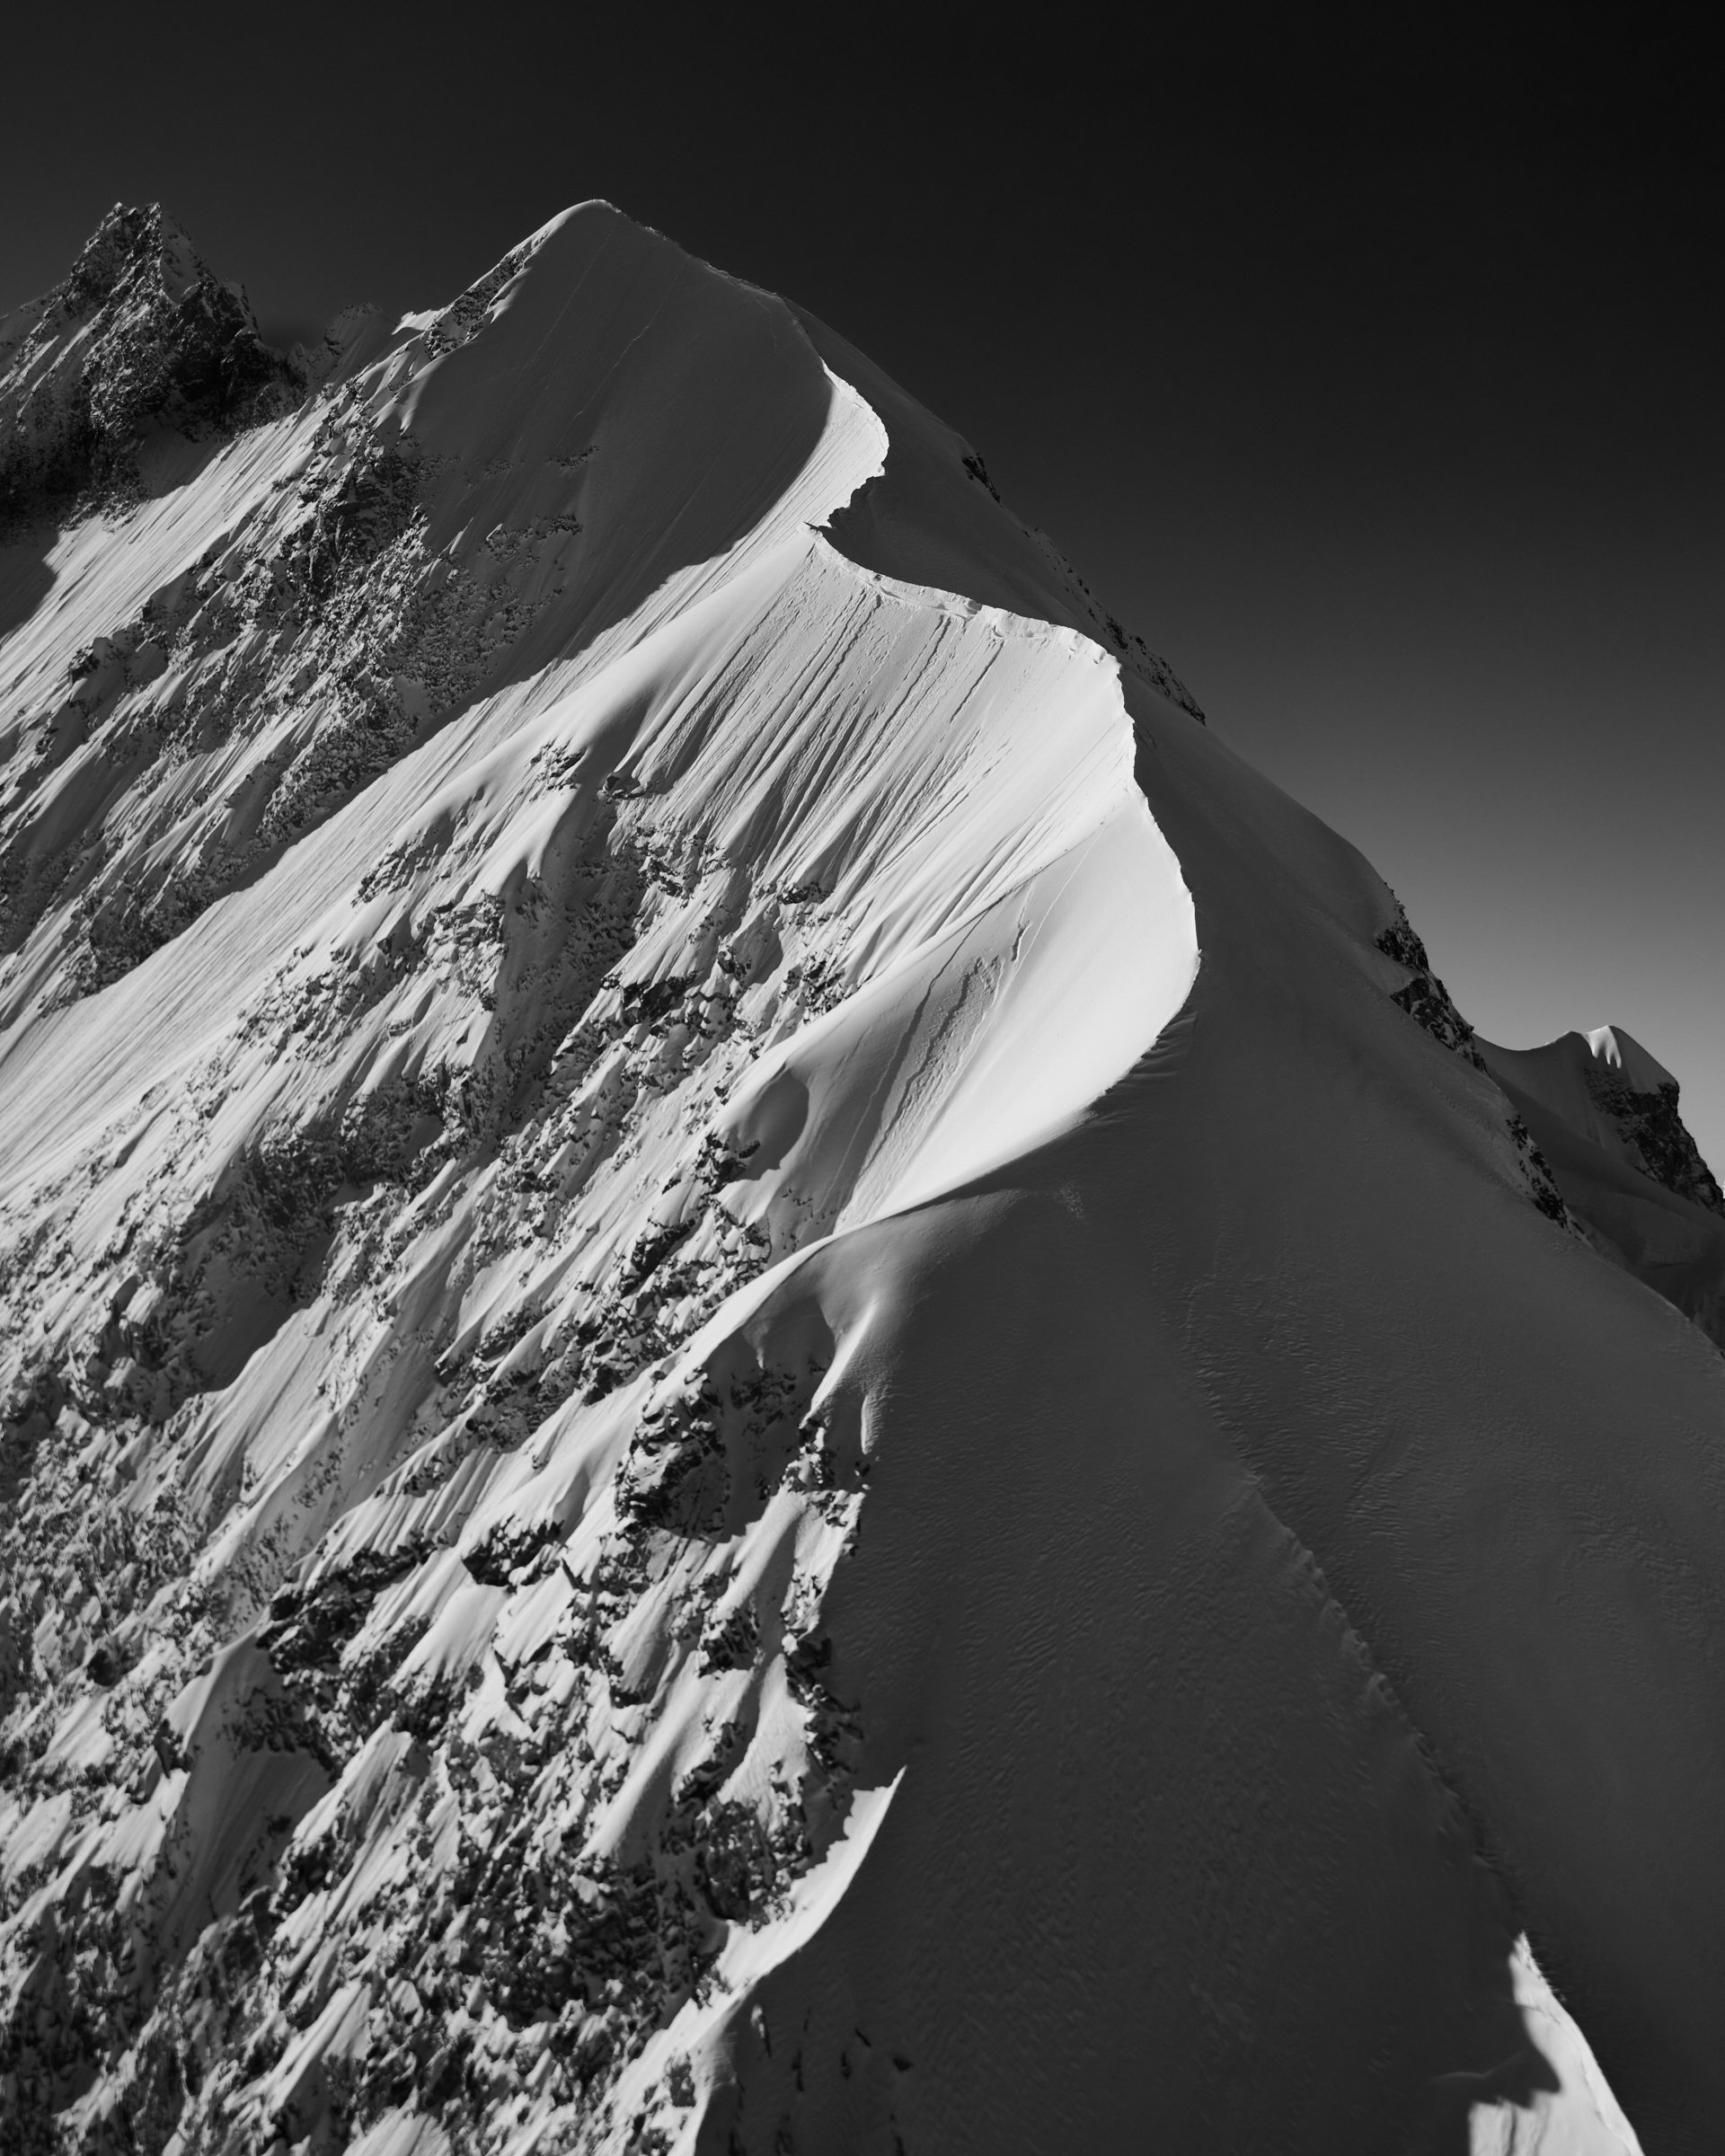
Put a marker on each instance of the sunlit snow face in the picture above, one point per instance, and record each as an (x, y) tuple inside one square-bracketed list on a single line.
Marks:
[(680, 1467)]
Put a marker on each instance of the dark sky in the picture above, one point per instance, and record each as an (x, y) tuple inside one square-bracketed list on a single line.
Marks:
[(1367, 361)]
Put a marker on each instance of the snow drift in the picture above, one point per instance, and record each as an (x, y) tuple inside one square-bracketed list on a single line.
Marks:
[(704, 1449)]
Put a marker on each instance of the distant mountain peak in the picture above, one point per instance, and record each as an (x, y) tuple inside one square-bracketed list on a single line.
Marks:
[(140, 336)]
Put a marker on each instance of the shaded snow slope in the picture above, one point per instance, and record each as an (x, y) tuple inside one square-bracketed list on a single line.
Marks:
[(703, 1453), (932, 516)]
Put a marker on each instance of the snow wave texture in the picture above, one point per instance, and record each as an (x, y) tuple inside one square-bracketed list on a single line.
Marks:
[(406, 1083), (700, 1453)]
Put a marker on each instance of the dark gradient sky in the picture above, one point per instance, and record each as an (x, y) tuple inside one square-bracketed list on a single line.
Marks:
[(1367, 361)]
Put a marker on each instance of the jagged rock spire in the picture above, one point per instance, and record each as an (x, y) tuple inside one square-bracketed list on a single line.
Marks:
[(139, 332)]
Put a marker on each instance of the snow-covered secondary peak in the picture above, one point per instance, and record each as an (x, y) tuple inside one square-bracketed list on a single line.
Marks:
[(537, 887), (702, 1451), (1642, 1073), (1604, 1114)]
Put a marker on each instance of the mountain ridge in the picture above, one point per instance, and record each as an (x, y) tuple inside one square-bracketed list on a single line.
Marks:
[(738, 1306)]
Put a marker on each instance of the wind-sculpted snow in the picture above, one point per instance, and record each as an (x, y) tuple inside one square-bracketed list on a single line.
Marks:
[(217, 672), (702, 1452), (377, 1245)]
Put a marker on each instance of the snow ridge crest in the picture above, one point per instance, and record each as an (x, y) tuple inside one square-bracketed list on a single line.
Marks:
[(492, 893)]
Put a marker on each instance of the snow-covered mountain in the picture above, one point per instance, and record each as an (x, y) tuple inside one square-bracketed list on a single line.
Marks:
[(776, 1379)]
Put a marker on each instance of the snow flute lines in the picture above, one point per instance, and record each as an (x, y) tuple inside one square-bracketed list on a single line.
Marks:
[(420, 1099)]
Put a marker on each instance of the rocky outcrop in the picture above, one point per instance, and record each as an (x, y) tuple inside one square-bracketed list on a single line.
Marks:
[(141, 339), (1640, 1099), (1605, 1115), (1426, 1000)]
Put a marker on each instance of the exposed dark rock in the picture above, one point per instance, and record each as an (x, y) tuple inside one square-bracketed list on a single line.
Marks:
[(1655, 1132), (1425, 999), (141, 334), (1428, 1004)]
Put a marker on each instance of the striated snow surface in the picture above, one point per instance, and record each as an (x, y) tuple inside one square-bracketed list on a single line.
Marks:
[(702, 1451)]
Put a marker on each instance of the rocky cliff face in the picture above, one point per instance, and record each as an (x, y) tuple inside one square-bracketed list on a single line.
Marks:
[(1642, 1105), (140, 343), (701, 1451)]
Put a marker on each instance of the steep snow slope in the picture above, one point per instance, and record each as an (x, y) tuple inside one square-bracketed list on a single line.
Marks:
[(734, 924), (240, 657), (702, 1451)]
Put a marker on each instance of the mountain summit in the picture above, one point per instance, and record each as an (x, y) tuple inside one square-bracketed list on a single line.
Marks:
[(775, 1378), (141, 342)]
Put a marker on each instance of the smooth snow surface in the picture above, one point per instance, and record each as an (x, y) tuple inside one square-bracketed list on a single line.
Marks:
[(704, 1452)]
